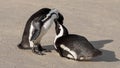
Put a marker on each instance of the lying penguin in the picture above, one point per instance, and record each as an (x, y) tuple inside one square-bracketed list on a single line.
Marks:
[(36, 27), (73, 46)]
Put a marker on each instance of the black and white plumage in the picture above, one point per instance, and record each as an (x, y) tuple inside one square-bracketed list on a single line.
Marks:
[(73, 46), (37, 26)]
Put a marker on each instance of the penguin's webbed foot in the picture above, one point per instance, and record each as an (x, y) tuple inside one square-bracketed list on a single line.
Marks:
[(38, 51)]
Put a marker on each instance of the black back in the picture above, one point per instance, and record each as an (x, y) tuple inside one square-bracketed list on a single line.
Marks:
[(73, 40)]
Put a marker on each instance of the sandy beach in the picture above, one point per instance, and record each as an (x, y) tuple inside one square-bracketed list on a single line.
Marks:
[(97, 20)]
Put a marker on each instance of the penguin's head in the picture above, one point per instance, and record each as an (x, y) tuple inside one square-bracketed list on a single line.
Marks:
[(60, 18), (47, 14)]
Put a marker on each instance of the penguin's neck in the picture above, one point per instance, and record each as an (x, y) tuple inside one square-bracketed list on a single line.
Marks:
[(63, 32)]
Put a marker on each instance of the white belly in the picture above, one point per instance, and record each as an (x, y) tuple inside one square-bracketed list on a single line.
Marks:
[(44, 29)]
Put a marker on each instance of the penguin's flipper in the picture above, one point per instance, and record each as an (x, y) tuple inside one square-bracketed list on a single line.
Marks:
[(36, 31), (35, 34)]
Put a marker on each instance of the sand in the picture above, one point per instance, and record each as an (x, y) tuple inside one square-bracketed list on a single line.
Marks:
[(97, 20)]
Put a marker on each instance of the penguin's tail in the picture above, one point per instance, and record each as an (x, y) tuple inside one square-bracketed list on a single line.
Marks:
[(97, 53), (21, 46)]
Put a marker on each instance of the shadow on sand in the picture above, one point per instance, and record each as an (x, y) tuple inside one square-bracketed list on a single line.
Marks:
[(49, 47), (108, 56)]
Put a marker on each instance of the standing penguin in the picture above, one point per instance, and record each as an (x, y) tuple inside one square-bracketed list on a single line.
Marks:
[(36, 27), (73, 46)]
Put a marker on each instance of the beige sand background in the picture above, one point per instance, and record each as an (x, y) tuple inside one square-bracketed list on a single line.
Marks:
[(98, 20)]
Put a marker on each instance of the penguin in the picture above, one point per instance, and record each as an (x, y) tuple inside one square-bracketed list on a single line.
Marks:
[(73, 46), (36, 27)]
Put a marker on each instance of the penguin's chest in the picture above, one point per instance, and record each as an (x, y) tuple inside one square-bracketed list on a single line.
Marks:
[(45, 28)]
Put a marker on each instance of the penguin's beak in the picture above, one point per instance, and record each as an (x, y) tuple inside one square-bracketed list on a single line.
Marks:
[(56, 12)]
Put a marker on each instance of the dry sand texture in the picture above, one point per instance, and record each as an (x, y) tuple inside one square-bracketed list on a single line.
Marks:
[(98, 20)]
